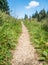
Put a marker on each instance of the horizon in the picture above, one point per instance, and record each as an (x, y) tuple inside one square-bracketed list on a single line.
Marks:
[(22, 7)]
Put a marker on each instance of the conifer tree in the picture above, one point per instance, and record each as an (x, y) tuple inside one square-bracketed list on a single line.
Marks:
[(4, 6)]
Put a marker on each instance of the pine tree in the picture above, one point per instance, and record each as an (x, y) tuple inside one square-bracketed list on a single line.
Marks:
[(42, 13), (4, 6), (35, 15), (26, 16)]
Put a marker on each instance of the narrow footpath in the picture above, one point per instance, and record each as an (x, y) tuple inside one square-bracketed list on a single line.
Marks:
[(24, 54)]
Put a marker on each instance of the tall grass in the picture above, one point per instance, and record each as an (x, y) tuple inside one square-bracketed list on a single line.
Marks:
[(10, 29), (39, 38)]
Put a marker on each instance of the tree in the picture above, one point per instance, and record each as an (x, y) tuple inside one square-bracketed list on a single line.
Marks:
[(26, 16), (35, 15), (42, 14), (4, 6), (47, 14)]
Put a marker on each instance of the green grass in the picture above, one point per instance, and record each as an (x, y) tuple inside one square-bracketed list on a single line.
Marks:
[(10, 29), (39, 38)]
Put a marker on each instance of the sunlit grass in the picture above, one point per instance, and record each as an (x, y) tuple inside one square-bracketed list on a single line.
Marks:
[(39, 38), (10, 30)]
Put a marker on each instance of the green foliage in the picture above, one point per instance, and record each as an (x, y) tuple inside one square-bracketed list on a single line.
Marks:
[(4, 6), (42, 59), (10, 30), (41, 15), (44, 63), (26, 17), (45, 25), (39, 36), (35, 15)]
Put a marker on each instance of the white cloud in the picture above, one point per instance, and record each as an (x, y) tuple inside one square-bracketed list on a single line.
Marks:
[(32, 4)]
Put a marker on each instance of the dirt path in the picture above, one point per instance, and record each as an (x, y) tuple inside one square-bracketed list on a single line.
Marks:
[(24, 54)]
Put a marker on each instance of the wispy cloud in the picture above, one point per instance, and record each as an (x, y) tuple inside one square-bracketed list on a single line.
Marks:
[(32, 4)]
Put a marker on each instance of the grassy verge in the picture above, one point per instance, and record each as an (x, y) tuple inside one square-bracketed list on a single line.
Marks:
[(39, 37), (10, 30)]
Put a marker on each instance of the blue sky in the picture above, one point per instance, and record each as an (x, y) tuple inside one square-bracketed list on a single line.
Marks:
[(21, 7)]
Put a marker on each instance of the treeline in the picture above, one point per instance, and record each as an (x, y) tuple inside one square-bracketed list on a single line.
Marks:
[(4, 6), (41, 15)]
